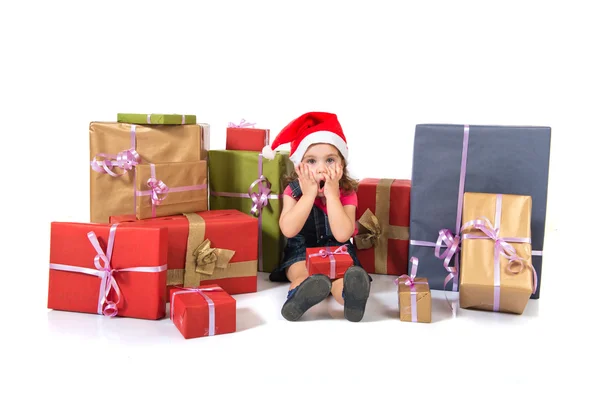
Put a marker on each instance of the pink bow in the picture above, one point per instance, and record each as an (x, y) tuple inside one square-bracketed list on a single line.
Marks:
[(125, 160), (105, 271), (410, 282), (108, 282), (343, 249), (259, 199), (159, 190), (242, 124)]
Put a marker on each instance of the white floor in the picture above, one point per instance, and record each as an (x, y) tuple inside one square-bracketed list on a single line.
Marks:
[(474, 354), (471, 355)]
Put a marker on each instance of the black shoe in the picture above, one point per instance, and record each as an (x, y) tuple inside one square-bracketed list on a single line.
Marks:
[(312, 291), (357, 286)]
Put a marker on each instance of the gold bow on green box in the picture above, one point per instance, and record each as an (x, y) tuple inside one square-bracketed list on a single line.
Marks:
[(207, 258)]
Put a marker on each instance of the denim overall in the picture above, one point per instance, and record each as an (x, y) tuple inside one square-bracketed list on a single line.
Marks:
[(316, 232)]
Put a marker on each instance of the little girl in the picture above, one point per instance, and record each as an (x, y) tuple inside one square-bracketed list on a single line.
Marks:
[(319, 209)]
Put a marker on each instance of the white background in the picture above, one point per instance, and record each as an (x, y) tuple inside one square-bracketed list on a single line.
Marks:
[(383, 67)]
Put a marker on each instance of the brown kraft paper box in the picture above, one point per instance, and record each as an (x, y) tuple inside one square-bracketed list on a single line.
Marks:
[(114, 195), (422, 298), (178, 187), (487, 281)]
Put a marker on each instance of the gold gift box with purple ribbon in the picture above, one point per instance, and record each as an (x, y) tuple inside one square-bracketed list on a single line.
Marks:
[(414, 296), (496, 271)]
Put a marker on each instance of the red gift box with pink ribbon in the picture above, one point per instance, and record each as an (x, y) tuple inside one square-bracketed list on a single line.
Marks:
[(205, 311), (106, 269), (330, 260), (244, 136)]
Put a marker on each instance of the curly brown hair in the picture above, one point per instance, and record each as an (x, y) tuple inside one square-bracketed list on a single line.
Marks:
[(347, 184)]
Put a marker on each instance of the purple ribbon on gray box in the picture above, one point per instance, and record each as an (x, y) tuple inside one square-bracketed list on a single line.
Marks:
[(448, 240)]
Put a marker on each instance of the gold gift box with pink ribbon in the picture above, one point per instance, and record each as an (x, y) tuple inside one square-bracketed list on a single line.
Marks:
[(496, 273), (119, 150), (414, 296)]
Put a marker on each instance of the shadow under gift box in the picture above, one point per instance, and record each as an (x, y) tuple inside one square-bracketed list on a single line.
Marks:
[(137, 261), (449, 160), (113, 141), (214, 234)]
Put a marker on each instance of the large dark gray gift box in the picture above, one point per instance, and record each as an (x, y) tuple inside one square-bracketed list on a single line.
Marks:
[(489, 159)]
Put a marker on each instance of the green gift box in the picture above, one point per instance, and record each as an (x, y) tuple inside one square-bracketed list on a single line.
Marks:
[(248, 182), (157, 119)]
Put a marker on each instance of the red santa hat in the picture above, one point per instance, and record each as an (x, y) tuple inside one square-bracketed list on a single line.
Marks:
[(308, 129)]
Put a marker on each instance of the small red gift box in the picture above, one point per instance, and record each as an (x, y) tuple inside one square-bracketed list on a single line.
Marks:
[(108, 269), (205, 311), (330, 261), (244, 136)]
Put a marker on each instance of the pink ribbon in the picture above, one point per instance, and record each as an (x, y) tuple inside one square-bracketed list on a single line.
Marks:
[(209, 301), (259, 201), (410, 281), (105, 271), (501, 248), (159, 190), (127, 160), (451, 242), (242, 124), (326, 252)]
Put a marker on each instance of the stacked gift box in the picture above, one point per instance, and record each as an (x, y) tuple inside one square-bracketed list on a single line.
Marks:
[(152, 236), (172, 220)]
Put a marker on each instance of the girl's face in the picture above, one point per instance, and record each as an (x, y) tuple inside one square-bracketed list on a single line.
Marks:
[(319, 157)]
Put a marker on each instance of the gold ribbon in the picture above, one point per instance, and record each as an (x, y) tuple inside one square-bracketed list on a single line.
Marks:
[(207, 258), (203, 262), (175, 277), (375, 230)]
